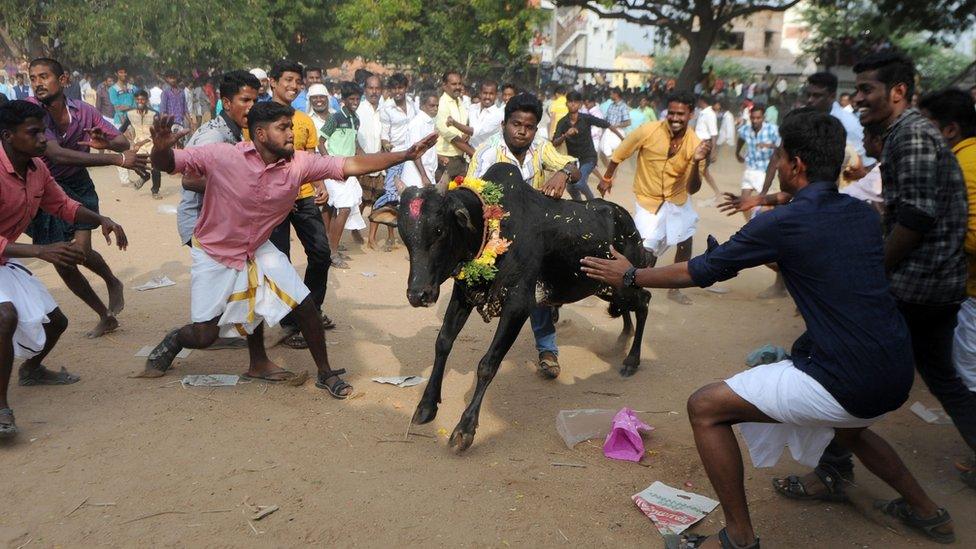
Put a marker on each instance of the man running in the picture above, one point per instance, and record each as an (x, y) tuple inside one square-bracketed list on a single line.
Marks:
[(30, 320), (73, 128), (239, 279)]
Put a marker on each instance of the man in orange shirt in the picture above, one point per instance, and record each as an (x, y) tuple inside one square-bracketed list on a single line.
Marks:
[(669, 163), (286, 81)]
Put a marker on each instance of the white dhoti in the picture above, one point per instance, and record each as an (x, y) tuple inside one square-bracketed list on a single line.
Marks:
[(670, 226), (753, 180), (33, 303), (806, 412), (347, 194), (964, 344), (267, 289), (608, 143)]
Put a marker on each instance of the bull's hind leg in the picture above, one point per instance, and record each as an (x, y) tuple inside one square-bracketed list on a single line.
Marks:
[(509, 327), (457, 314), (628, 325), (634, 356)]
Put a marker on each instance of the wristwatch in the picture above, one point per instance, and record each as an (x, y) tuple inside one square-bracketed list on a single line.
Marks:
[(630, 278), (569, 174)]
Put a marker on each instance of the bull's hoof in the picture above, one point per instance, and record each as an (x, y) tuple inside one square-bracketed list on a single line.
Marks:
[(425, 413), (631, 363), (460, 441)]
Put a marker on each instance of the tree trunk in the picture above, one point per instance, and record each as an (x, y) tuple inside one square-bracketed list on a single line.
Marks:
[(698, 48), (15, 50)]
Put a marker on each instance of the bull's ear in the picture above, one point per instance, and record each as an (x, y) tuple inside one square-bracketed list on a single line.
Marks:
[(464, 218)]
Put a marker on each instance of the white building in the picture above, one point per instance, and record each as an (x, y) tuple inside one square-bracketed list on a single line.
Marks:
[(576, 38)]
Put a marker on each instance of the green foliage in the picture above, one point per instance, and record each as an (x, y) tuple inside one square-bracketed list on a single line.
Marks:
[(726, 68), (842, 33), (491, 193), (475, 273)]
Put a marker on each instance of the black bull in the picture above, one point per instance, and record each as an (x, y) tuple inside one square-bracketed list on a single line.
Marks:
[(542, 266)]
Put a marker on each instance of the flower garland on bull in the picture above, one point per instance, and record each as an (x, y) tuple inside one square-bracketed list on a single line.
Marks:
[(482, 269)]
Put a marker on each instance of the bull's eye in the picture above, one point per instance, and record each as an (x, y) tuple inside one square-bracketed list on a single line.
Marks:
[(438, 232)]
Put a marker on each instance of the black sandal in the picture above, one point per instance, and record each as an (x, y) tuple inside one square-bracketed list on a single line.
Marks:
[(295, 341), (901, 510), (336, 388), (693, 541), (828, 476), (43, 376), (161, 358), (8, 430), (327, 323)]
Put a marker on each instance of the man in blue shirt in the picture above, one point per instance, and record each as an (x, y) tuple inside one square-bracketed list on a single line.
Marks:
[(851, 366)]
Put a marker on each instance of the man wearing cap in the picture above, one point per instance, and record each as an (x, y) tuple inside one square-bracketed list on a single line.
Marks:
[(318, 105), (264, 94)]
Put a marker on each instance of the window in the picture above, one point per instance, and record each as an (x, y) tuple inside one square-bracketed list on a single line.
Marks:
[(728, 40), (768, 40)]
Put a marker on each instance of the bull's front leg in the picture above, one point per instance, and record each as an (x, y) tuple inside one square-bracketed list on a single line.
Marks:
[(458, 311), (509, 327), (634, 356)]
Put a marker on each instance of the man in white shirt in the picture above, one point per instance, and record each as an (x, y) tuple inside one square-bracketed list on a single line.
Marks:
[(318, 105), (420, 172), (707, 130), (485, 117), (395, 117), (155, 97), (370, 142)]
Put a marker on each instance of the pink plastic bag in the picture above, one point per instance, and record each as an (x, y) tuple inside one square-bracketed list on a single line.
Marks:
[(624, 441)]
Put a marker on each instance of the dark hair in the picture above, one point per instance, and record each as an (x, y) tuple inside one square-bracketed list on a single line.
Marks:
[(15, 113), (893, 68), (313, 69), (706, 98), (560, 89), (142, 93), (447, 74), (232, 82), (284, 65), (349, 89), (951, 105), (360, 76), (574, 96), (845, 94), (816, 138), (824, 80), (55, 67), (616, 91), (488, 83), (524, 102), (684, 97), (266, 112), (509, 85), (171, 74), (759, 107), (396, 80)]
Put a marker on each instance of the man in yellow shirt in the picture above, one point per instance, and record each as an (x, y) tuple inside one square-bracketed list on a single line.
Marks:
[(952, 111), (452, 143), (557, 110), (669, 163), (285, 81)]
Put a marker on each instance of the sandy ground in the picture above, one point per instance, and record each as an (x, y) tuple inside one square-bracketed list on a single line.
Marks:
[(114, 461)]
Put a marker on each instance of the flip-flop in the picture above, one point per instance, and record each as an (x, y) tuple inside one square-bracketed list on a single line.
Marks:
[(327, 323), (295, 341), (7, 430), (43, 376), (336, 388), (693, 541), (270, 377), (794, 488), (339, 263)]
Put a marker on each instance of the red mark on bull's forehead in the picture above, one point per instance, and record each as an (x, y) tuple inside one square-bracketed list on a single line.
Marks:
[(415, 206)]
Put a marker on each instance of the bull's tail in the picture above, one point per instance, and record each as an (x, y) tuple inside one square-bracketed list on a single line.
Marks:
[(614, 309)]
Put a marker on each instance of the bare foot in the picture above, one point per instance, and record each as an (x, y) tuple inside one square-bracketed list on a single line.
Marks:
[(677, 296), (268, 371), (371, 244), (116, 297), (107, 324)]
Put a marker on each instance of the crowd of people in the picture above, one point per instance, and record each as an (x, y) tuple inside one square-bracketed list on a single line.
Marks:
[(873, 231)]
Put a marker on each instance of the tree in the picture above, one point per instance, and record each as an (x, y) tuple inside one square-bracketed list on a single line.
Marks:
[(842, 33), (697, 22)]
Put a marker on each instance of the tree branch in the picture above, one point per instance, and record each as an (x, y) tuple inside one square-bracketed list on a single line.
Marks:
[(753, 8), (656, 18)]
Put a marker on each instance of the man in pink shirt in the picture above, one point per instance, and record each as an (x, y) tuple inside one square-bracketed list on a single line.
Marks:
[(239, 280), (30, 320)]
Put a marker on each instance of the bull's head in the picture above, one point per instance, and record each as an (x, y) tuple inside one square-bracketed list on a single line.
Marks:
[(440, 231)]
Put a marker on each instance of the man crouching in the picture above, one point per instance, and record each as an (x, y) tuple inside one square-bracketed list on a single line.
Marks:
[(30, 320), (238, 279)]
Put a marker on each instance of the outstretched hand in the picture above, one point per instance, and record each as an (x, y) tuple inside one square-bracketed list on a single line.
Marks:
[(608, 271), (702, 150), (109, 227), (420, 147), (97, 139), (162, 133), (734, 204)]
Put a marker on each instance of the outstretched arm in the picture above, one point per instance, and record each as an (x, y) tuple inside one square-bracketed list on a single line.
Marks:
[(370, 163), (611, 271), (164, 139)]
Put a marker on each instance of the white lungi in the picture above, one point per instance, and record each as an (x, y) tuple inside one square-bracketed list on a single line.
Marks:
[(964, 343), (807, 414), (670, 226), (753, 180), (608, 143), (267, 289), (347, 194), (33, 303)]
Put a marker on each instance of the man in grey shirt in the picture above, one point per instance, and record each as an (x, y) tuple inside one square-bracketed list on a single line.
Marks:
[(238, 91)]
